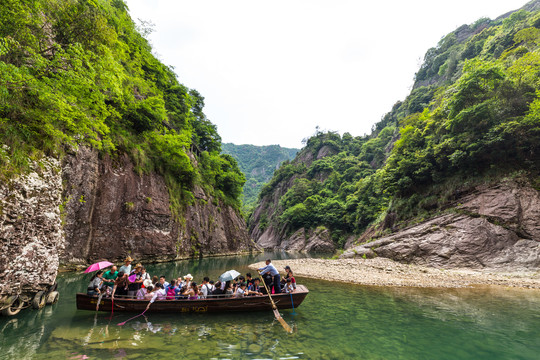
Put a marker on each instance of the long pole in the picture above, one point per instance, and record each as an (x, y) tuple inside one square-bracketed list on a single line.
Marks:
[(275, 309)]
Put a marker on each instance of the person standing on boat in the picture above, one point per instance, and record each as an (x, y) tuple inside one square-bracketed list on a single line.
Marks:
[(110, 276), (144, 275), (271, 269), (135, 281), (126, 268), (121, 285)]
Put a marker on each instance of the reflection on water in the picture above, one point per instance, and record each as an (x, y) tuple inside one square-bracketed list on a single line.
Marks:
[(336, 321)]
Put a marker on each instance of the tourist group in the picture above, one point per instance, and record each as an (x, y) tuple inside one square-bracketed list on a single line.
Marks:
[(136, 283)]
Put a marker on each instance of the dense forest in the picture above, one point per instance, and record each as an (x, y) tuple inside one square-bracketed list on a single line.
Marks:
[(473, 116), (258, 164), (79, 73)]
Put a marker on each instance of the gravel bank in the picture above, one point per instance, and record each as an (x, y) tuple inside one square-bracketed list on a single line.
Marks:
[(385, 272)]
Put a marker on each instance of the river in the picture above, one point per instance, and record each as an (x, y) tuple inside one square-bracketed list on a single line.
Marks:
[(336, 321)]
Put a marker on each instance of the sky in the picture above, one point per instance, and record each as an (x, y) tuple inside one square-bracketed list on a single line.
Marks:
[(273, 71)]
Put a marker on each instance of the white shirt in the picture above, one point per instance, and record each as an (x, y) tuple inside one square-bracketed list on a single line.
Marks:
[(125, 268), (145, 276), (159, 293), (270, 268), (205, 289), (239, 293)]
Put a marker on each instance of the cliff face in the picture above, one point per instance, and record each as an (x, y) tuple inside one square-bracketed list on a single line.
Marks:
[(112, 212), (106, 211), (31, 237), (493, 227)]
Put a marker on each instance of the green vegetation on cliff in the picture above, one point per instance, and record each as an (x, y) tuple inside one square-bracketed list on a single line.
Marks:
[(258, 164), (474, 113), (78, 72)]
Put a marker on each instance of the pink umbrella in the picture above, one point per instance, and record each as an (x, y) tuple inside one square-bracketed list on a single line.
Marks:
[(98, 266)]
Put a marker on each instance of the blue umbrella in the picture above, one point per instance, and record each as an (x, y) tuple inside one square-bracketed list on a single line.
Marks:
[(229, 275)]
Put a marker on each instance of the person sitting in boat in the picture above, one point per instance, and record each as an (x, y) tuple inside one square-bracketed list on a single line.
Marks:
[(288, 287), (158, 294), (289, 275), (249, 280), (149, 292), (155, 280), (254, 288), (121, 284), (212, 286), (229, 291), (234, 285), (95, 284), (163, 282), (206, 289), (192, 292), (241, 290), (178, 290), (271, 269), (109, 276), (217, 292), (144, 289), (170, 290), (188, 280), (126, 268)]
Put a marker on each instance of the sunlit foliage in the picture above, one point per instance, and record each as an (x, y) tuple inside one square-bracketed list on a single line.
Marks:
[(78, 72)]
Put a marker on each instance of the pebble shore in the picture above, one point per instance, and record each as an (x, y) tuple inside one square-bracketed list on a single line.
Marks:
[(386, 272)]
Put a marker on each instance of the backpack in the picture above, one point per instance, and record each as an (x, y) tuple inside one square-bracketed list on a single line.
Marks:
[(170, 293)]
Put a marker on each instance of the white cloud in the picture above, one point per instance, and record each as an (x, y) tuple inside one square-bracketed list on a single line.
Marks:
[(272, 71)]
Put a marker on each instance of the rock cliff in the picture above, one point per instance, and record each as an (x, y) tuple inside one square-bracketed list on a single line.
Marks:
[(494, 227), (31, 236), (111, 212), (90, 208)]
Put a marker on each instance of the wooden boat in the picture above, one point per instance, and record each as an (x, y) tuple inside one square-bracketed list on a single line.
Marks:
[(218, 304)]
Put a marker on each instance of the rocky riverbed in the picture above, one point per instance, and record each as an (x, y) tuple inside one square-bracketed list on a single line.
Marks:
[(385, 272)]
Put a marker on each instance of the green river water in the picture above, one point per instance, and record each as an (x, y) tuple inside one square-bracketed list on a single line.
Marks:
[(336, 321)]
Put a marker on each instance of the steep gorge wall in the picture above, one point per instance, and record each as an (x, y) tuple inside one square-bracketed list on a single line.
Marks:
[(495, 227), (112, 212), (88, 208)]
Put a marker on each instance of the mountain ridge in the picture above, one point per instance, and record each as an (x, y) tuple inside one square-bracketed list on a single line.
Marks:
[(258, 163), (470, 120)]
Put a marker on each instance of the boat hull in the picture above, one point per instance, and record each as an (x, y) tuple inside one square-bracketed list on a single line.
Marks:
[(247, 303)]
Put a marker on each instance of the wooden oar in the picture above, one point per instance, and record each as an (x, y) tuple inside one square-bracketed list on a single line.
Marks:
[(124, 322), (275, 309)]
